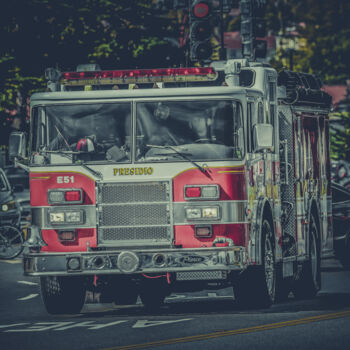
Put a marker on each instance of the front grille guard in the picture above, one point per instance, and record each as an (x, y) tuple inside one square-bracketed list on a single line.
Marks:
[(135, 214)]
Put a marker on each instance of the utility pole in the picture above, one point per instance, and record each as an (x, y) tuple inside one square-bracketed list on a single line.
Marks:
[(253, 27)]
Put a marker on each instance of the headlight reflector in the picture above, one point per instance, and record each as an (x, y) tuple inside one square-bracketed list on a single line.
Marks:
[(74, 216), (56, 218), (210, 192), (193, 213), (210, 213), (66, 217), (56, 197)]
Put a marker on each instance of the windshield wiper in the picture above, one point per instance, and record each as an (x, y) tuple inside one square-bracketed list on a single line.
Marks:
[(70, 155), (182, 155)]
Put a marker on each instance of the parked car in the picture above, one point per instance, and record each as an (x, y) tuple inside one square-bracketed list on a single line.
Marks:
[(9, 207), (341, 223), (19, 179)]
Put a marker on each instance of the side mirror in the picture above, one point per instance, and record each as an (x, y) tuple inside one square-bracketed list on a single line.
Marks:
[(263, 137), (17, 145)]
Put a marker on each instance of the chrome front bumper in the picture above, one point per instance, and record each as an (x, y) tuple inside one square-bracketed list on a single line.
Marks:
[(135, 262)]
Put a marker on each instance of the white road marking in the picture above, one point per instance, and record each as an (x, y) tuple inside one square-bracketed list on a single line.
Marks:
[(11, 325), (89, 325), (14, 261), (30, 296), (176, 296), (41, 326), (212, 295), (62, 326), (146, 323), (27, 282)]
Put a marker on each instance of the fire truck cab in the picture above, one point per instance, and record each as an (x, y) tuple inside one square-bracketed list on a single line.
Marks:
[(145, 182)]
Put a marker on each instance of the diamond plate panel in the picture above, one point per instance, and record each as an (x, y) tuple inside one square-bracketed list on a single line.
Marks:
[(135, 192), (135, 233), (200, 275), (134, 215), (134, 212)]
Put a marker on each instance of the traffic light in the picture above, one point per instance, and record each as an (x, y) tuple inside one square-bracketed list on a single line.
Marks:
[(200, 30), (258, 14), (253, 26)]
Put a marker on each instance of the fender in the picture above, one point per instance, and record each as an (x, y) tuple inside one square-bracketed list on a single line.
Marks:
[(254, 245), (313, 205)]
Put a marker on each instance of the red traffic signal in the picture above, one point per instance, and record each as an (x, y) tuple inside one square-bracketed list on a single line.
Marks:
[(201, 9)]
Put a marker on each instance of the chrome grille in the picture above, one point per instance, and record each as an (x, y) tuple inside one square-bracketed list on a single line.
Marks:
[(135, 233), (133, 193), (201, 275), (134, 214)]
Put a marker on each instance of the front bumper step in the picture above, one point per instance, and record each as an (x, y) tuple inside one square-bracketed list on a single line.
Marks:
[(135, 262)]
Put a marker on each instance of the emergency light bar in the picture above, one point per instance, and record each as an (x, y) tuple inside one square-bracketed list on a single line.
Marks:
[(163, 75)]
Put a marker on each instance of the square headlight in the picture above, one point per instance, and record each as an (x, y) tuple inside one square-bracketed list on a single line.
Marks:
[(193, 213), (210, 213), (57, 217), (55, 196), (74, 216)]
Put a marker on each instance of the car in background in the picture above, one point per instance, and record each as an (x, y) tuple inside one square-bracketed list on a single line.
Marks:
[(341, 223), (10, 213), (19, 181)]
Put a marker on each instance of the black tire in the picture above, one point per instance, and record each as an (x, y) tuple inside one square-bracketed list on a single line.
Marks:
[(344, 255), (62, 295), (342, 252), (309, 281), (11, 242), (153, 293), (255, 287)]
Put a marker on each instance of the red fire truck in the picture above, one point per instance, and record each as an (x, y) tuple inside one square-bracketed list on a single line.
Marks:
[(145, 182)]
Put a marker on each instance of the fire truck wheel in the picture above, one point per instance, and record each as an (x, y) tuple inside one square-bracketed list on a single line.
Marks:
[(309, 281), (153, 293), (255, 287), (62, 295)]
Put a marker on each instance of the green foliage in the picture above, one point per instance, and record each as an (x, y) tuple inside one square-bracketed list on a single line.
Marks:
[(340, 136), (37, 34), (324, 27)]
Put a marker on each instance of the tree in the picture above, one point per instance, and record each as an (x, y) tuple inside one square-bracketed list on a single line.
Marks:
[(37, 34), (324, 27)]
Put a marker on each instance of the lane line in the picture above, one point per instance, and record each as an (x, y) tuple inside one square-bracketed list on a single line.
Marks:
[(30, 296), (14, 261), (28, 283), (218, 334)]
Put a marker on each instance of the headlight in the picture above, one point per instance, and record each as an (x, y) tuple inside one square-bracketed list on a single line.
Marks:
[(67, 217), (202, 213), (8, 206), (201, 192), (74, 216), (55, 197), (210, 213), (193, 213), (56, 218)]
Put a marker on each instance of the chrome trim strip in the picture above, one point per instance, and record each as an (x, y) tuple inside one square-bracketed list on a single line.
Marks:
[(231, 212), (40, 216), (175, 260)]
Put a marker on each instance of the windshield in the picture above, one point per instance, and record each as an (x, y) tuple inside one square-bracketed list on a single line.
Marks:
[(200, 130), (95, 131), (165, 131)]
